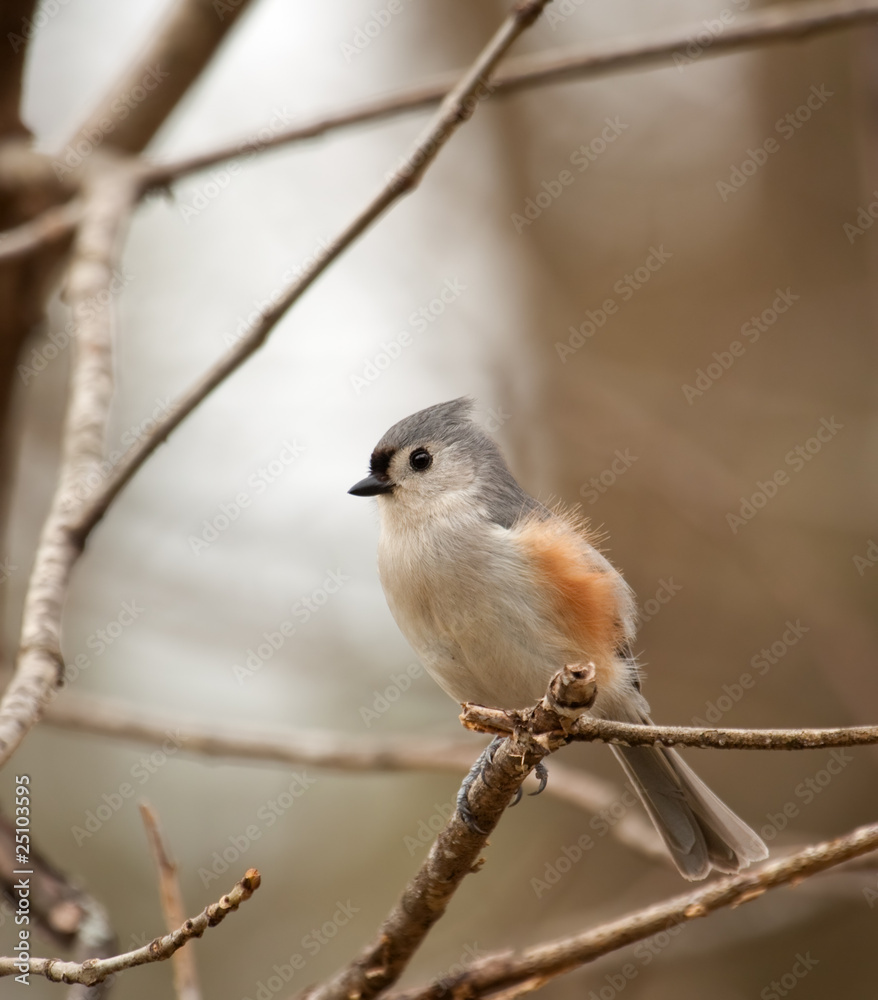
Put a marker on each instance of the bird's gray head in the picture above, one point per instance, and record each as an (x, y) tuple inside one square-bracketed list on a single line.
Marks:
[(439, 457)]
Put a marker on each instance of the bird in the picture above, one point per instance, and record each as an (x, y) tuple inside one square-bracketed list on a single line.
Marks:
[(496, 592)]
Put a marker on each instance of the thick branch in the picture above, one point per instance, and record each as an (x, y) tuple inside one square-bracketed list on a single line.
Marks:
[(541, 963), (453, 856), (780, 23), (97, 970), (109, 196), (150, 88), (499, 722)]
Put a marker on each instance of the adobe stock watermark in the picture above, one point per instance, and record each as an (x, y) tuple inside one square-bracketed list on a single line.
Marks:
[(599, 484), (88, 140), (382, 701), (795, 460), (30, 25), (112, 802), (364, 34), (712, 28), (267, 815), (625, 288), (752, 330), (761, 663), (581, 158), (86, 486), (7, 569), (59, 340), (665, 592), (299, 614), (221, 177), (311, 944), (866, 216), (557, 14), (779, 988), (862, 562), (786, 127), (263, 306), (645, 952), (571, 854), (804, 794), (428, 828), (419, 321), (258, 483)]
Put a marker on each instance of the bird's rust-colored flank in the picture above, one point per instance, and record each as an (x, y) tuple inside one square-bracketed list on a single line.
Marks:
[(586, 596)]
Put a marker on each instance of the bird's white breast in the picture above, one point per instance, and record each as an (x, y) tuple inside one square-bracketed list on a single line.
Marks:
[(464, 597)]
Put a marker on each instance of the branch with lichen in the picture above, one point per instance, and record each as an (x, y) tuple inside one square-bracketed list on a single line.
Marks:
[(96, 970)]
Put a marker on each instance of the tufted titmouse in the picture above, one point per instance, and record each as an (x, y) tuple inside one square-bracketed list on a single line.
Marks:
[(495, 593)]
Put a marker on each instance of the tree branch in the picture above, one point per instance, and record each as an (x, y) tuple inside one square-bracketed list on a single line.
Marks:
[(453, 856), (97, 970), (338, 751), (67, 915), (109, 195), (183, 962), (458, 106), (50, 226), (180, 49), (587, 730), (780, 23), (539, 964)]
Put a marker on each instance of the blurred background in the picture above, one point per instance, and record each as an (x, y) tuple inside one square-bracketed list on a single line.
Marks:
[(595, 321)]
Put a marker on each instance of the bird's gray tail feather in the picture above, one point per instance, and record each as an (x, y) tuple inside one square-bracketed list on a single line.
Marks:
[(700, 830)]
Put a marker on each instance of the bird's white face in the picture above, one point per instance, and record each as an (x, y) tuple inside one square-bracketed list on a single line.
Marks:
[(425, 476)]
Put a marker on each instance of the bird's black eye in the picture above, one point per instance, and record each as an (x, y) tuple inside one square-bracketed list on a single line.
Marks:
[(420, 459)]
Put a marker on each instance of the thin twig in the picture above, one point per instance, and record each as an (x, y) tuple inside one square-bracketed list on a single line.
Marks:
[(339, 751), (546, 961), (183, 962), (158, 950), (498, 721), (458, 106), (109, 194), (780, 23), (777, 24)]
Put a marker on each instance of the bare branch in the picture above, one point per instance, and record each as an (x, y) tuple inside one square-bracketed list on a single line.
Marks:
[(63, 911), (150, 88), (159, 950), (498, 721), (540, 963), (338, 751), (453, 856), (458, 106), (779, 23), (53, 225), (183, 962), (109, 196)]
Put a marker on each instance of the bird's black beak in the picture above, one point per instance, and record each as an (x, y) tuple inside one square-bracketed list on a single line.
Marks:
[(372, 486)]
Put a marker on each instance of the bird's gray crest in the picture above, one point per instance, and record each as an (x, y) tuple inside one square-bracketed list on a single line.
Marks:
[(444, 422), (452, 424)]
